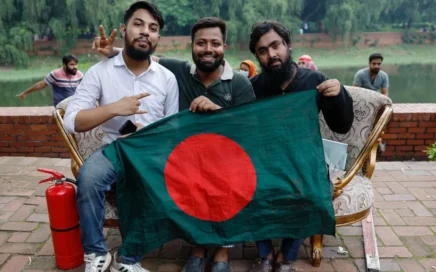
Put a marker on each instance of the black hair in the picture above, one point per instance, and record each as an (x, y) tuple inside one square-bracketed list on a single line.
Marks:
[(375, 56), (261, 28), (209, 22), (150, 7), (67, 58)]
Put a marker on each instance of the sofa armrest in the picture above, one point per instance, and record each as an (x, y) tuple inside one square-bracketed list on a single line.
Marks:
[(70, 142)]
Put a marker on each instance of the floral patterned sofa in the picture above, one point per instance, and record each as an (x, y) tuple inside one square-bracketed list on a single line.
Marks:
[(353, 195), (353, 190)]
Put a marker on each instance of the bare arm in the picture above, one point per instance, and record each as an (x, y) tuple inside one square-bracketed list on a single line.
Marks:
[(88, 119), (82, 114), (385, 86), (91, 118), (36, 87)]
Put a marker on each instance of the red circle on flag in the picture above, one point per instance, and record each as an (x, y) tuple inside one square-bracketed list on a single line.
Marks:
[(210, 177)]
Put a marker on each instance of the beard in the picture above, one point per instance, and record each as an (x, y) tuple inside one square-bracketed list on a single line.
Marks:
[(375, 70), (71, 71), (278, 74), (207, 67), (138, 54)]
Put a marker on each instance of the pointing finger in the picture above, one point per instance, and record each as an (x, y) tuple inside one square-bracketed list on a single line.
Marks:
[(141, 111), (141, 95)]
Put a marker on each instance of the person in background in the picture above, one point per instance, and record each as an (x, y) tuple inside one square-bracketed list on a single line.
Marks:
[(305, 61), (64, 80), (373, 77), (248, 68)]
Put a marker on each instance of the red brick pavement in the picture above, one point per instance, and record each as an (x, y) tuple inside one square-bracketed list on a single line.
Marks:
[(404, 216)]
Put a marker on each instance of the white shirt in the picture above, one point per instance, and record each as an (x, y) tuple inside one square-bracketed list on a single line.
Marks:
[(110, 80)]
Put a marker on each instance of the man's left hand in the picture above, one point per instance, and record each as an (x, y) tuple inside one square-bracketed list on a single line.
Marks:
[(203, 103), (331, 87)]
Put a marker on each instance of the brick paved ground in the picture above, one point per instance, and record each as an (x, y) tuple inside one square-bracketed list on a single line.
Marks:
[(404, 216)]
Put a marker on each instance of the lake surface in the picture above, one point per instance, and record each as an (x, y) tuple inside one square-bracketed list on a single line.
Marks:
[(412, 83)]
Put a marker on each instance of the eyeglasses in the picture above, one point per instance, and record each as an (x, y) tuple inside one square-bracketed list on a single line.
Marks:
[(301, 63)]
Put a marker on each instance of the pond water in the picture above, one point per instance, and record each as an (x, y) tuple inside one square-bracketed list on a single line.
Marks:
[(412, 83)]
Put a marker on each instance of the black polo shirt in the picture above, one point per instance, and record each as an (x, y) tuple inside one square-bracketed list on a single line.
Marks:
[(228, 90)]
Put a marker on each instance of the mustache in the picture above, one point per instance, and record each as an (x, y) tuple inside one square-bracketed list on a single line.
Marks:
[(143, 39), (271, 61), (207, 55)]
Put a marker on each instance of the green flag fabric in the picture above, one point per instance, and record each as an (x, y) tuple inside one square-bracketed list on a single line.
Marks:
[(240, 174)]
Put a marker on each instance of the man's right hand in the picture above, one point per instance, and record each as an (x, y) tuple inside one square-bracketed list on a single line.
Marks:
[(103, 44), (129, 105), (22, 95)]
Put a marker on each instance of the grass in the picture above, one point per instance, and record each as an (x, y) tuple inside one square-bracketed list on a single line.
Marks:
[(324, 59)]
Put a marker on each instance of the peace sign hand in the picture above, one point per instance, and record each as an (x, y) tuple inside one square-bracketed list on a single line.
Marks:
[(103, 44)]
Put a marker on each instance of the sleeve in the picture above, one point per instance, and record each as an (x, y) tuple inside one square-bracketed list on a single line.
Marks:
[(242, 90), (172, 99), (174, 65), (49, 79), (385, 81), (86, 96), (357, 79), (338, 110)]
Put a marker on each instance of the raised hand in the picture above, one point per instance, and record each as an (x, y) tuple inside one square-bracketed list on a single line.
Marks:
[(103, 44), (129, 105)]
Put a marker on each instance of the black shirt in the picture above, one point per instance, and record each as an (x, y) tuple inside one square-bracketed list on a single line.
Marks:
[(337, 110), (229, 90)]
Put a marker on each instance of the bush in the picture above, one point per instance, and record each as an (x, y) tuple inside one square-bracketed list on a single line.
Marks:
[(374, 44), (356, 40), (431, 152), (313, 41)]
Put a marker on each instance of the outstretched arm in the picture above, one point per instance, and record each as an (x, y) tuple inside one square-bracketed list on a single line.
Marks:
[(36, 87)]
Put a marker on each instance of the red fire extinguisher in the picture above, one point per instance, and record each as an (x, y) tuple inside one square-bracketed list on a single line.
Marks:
[(64, 220)]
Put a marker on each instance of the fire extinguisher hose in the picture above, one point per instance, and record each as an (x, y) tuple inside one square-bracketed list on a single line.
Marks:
[(65, 230)]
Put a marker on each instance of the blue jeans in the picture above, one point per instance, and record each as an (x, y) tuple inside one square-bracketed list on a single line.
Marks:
[(289, 248), (96, 176)]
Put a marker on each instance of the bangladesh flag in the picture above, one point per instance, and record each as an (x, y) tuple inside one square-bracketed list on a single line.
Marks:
[(240, 174)]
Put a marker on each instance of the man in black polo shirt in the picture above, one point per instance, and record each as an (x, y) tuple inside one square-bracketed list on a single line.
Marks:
[(208, 84), (271, 44)]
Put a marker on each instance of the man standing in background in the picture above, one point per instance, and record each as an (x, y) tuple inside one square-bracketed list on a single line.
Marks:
[(372, 77), (64, 81)]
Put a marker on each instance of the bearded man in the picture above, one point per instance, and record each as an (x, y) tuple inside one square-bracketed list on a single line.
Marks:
[(128, 87), (63, 81), (372, 77), (270, 42)]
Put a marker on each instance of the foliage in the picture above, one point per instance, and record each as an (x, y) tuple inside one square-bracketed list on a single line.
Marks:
[(431, 152), (67, 20)]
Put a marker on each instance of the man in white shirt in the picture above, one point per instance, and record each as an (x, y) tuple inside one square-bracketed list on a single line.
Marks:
[(129, 86)]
